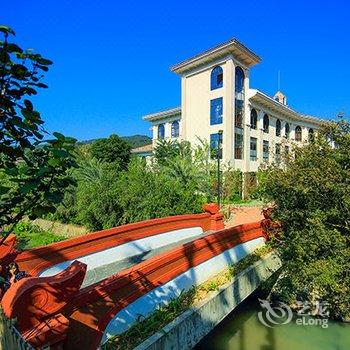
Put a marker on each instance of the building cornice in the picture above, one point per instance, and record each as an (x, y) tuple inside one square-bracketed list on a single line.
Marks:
[(163, 114), (239, 51), (264, 100)]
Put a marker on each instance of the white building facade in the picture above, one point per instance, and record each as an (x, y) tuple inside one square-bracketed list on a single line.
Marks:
[(218, 105)]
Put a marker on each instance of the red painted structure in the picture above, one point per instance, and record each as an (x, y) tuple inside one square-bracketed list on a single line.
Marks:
[(8, 251), (36, 302), (53, 310), (97, 304), (34, 261)]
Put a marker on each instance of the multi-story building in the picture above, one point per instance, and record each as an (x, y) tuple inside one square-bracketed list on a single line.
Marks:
[(218, 105)]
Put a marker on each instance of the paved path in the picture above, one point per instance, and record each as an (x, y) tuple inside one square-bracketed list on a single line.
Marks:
[(241, 215), (245, 215), (107, 270)]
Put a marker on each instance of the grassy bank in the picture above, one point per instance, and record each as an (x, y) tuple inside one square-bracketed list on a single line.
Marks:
[(159, 318), (30, 236)]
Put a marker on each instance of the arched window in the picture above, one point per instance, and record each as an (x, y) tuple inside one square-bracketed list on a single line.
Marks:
[(161, 131), (175, 129), (239, 97), (278, 127), (253, 119), (311, 135), (239, 80), (216, 78), (287, 131), (266, 123), (298, 136)]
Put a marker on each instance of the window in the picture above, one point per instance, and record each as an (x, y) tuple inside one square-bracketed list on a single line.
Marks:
[(266, 151), (216, 78), (253, 148), (266, 123), (161, 131), (216, 111), (239, 80), (239, 97), (215, 141), (278, 153), (239, 113), (287, 131), (311, 135), (239, 145), (253, 119), (175, 129), (298, 135), (278, 127)]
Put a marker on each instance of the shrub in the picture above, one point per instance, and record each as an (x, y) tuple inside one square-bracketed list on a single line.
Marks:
[(30, 236), (312, 197), (111, 150)]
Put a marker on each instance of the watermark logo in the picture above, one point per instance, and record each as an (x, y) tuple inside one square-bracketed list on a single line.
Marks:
[(280, 313), (274, 315)]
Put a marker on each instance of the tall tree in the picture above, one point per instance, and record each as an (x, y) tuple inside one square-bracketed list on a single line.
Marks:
[(312, 197), (112, 150), (33, 170)]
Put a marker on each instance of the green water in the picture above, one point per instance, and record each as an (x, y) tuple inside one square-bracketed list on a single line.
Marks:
[(241, 330)]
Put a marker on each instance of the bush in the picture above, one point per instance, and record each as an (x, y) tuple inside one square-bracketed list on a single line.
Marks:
[(152, 194), (312, 197), (111, 150), (30, 236), (232, 186)]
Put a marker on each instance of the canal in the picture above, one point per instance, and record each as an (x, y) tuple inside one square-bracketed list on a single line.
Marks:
[(242, 330)]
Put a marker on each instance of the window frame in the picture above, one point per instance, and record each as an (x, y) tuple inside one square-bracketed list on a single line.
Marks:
[(266, 128), (311, 135), (239, 146), (215, 81), (161, 127), (175, 122), (239, 73), (215, 138), (216, 120), (279, 128), (278, 149), (286, 133), (255, 124), (298, 135), (266, 144), (253, 153)]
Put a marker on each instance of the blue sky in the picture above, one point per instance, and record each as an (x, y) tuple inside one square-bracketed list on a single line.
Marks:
[(112, 58)]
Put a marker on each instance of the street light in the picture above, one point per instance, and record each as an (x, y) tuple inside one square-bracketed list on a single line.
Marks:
[(218, 163)]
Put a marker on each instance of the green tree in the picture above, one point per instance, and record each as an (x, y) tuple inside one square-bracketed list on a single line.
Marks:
[(161, 194), (312, 198), (166, 150), (33, 170), (112, 150)]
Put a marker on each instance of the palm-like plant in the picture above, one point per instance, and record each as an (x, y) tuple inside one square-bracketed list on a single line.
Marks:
[(89, 170)]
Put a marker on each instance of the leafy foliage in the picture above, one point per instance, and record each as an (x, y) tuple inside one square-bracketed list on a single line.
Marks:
[(137, 140), (112, 150), (312, 197), (30, 236), (33, 170), (165, 314)]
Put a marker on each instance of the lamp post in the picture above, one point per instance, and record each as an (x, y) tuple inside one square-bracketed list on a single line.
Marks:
[(218, 166)]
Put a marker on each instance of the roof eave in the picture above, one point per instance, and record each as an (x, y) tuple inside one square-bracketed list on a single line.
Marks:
[(261, 98), (241, 53), (162, 114)]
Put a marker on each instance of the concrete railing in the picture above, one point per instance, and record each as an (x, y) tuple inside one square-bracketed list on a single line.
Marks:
[(10, 337), (194, 324)]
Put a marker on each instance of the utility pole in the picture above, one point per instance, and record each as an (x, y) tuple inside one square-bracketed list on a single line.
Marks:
[(218, 166)]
